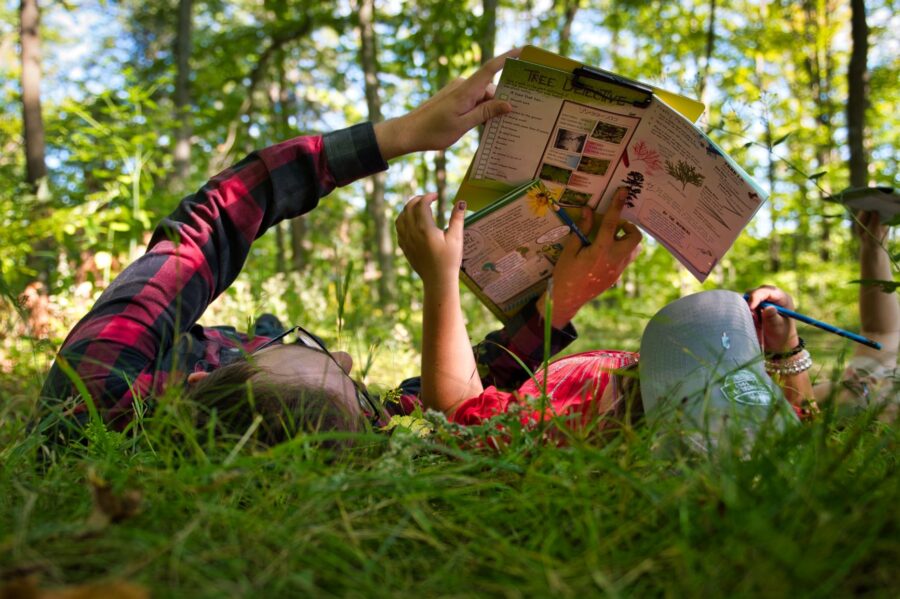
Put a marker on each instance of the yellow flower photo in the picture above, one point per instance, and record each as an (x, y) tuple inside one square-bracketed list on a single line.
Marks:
[(541, 199)]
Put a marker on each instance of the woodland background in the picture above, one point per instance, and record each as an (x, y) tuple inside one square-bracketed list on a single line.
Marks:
[(113, 111)]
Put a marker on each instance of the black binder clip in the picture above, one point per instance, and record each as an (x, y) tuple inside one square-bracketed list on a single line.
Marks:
[(645, 91)]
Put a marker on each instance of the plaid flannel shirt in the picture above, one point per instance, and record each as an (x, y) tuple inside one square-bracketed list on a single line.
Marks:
[(141, 336)]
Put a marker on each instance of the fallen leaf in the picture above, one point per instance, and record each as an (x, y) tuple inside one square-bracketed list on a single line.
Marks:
[(27, 588), (109, 507)]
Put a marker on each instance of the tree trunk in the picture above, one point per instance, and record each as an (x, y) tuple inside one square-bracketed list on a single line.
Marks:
[(384, 244), (570, 9), (32, 122), (857, 95), (488, 29), (182, 154), (710, 48), (818, 69), (774, 239), (488, 37), (440, 157)]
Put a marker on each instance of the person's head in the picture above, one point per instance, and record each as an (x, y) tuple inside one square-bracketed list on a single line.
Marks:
[(701, 369), (293, 387)]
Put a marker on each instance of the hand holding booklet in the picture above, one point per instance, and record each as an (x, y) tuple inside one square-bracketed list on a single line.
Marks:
[(575, 135)]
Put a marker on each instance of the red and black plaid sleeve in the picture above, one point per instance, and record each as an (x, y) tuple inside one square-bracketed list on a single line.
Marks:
[(195, 253), (521, 339)]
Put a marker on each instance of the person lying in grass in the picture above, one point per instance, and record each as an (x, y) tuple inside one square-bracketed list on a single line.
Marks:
[(702, 351), (141, 338)]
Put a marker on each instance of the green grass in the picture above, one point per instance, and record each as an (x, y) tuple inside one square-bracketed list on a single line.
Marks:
[(812, 513)]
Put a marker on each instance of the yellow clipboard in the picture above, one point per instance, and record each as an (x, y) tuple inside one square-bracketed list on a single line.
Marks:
[(480, 194), (690, 109)]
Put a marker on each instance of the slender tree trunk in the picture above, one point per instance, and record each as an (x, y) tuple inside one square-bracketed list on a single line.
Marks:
[(32, 121), (440, 157), (774, 239), (817, 68), (857, 95), (488, 29), (570, 9), (276, 102), (384, 244), (182, 154), (707, 62), (488, 37)]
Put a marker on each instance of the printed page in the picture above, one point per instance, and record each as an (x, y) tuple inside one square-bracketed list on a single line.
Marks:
[(684, 191), (569, 137), (509, 249)]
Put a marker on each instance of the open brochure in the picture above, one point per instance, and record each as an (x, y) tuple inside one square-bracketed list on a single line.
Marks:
[(584, 139), (511, 247)]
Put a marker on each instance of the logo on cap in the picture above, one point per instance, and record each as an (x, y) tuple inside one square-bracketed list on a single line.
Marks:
[(743, 386)]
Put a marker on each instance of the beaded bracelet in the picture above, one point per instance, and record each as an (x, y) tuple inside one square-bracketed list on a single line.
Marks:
[(788, 354), (801, 363)]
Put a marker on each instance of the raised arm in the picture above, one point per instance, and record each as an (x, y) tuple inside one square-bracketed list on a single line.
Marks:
[(194, 255), (449, 374), (879, 311)]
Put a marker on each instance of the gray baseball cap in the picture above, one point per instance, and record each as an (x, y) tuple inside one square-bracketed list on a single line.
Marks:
[(702, 376)]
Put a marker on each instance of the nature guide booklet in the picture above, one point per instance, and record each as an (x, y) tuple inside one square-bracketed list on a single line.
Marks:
[(511, 247), (584, 137)]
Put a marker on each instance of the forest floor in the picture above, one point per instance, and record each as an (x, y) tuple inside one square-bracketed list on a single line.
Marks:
[(173, 512)]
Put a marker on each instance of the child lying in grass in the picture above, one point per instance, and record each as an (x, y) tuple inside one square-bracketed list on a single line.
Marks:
[(700, 356), (142, 338)]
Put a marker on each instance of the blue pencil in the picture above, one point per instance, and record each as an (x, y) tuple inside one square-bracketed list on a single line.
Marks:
[(564, 217), (822, 325)]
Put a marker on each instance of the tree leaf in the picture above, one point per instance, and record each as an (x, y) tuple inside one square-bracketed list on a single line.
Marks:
[(886, 286), (818, 175), (781, 139)]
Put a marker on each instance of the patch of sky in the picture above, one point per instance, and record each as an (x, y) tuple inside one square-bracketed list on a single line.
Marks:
[(87, 57)]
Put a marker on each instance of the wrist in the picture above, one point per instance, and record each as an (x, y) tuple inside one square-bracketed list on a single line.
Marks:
[(441, 285), (561, 315), (391, 138), (794, 346), (791, 365)]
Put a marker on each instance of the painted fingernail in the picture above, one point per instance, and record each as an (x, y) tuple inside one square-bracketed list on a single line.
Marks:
[(461, 205)]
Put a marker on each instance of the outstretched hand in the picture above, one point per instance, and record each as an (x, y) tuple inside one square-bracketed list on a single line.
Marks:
[(445, 117), (777, 333), (434, 254), (582, 273)]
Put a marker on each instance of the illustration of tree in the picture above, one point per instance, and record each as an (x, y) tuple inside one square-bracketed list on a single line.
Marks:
[(634, 181), (685, 173)]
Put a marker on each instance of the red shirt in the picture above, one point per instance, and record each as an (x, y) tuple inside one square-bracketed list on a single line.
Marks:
[(574, 385)]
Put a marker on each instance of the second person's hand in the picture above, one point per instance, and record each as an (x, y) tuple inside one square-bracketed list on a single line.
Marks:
[(582, 273), (779, 333)]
